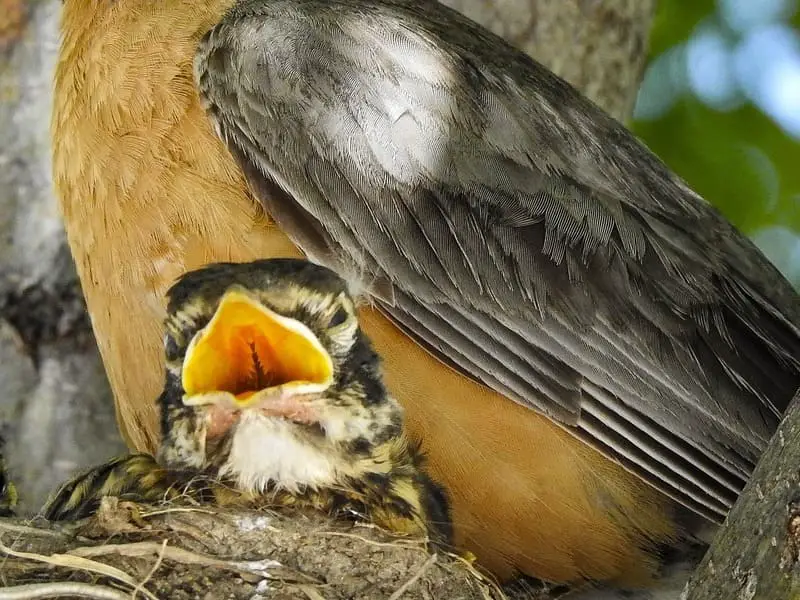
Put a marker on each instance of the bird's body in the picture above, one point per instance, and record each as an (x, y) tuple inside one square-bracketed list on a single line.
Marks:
[(589, 283), (246, 421)]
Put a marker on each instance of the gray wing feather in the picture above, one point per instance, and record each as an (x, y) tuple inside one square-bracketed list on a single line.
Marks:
[(512, 228)]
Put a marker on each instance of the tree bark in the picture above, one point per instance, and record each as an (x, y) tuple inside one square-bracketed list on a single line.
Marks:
[(55, 403), (599, 46), (756, 553)]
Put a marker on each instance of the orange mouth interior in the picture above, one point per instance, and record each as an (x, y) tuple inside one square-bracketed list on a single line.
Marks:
[(247, 348)]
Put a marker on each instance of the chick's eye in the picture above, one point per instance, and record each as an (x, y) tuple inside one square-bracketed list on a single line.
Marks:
[(170, 348), (339, 318)]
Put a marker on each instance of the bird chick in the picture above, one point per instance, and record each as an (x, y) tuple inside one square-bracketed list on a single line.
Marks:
[(132, 477), (273, 395), (8, 493)]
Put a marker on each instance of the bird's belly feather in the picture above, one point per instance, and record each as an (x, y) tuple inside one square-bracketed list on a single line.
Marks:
[(270, 450)]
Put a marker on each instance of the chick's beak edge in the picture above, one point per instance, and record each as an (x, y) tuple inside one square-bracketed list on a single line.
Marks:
[(247, 350)]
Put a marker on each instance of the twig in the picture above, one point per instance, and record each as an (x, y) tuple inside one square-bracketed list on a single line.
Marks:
[(151, 572), (164, 511), (144, 548), (187, 557), (401, 543), (405, 587), (28, 530), (77, 562), (57, 589), (480, 576), (309, 591), (22, 530), (266, 568)]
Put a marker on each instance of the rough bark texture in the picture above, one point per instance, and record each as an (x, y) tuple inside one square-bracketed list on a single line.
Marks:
[(55, 404), (756, 554)]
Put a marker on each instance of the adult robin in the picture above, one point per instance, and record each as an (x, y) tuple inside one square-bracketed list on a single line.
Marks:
[(592, 357), (273, 395)]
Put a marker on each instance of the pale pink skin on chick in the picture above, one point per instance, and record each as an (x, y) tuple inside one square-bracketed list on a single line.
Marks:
[(222, 418)]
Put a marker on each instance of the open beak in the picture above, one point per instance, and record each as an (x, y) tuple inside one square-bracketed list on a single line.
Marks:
[(248, 352)]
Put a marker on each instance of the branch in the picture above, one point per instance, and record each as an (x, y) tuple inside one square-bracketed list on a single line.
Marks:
[(754, 556)]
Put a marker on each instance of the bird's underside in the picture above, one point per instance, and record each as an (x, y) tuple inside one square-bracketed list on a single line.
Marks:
[(513, 229)]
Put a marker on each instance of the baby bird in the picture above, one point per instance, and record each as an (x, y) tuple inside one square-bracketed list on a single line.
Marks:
[(273, 396)]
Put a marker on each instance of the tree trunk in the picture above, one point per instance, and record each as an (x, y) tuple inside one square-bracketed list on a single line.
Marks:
[(756, 553), (599, 46), (55, 402)]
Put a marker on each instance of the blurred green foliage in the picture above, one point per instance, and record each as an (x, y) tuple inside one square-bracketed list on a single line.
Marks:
[(738, 157)]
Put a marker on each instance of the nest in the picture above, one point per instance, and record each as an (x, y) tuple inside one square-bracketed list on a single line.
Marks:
[(135, 551)]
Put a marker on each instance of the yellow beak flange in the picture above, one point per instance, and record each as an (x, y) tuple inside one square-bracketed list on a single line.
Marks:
[(247, 348)]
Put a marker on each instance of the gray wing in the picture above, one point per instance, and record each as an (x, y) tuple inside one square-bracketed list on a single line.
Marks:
[(512, 228)]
